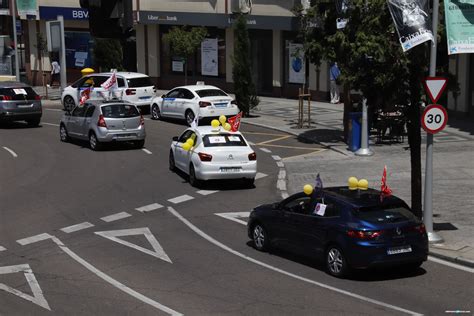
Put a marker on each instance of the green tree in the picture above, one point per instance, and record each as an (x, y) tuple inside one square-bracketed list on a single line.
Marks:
[(244, 87), (185, 43), (107, 54)]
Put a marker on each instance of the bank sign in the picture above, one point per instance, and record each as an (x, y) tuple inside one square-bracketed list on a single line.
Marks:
[(459, 26), (51, 13)]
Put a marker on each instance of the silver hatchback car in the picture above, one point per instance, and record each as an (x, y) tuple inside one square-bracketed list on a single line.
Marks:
[(19, 102), (104, 122)]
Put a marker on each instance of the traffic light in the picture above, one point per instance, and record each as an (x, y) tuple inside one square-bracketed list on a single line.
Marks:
[(109, 18)]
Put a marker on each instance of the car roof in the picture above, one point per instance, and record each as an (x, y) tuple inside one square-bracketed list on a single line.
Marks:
[(361, 198), (106, 102), (197, 87), (13, 84), (124, 74), (207, 129)]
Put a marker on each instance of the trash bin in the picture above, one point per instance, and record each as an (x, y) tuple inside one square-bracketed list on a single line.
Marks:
[(355, 124), (87, 71)]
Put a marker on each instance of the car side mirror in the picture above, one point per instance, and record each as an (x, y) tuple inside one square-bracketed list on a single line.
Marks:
[(175, 138)]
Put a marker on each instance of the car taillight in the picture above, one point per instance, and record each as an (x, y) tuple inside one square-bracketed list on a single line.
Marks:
[(361, 234), (101, 122), (203, 104), (205, 157), (130, 91), (420, 229), (253, 156), (142, 120), (5, 97), (37, 97)]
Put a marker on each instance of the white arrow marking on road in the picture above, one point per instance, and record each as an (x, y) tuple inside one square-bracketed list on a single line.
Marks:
[(158, 250), (2, 248), (11, 152), (260, 175), (37, 297), (234, 216)]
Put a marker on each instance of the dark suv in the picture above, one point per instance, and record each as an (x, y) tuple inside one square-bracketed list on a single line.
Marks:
[(19, 102)]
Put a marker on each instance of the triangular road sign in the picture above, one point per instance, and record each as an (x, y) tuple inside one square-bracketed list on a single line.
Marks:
[(435, 87), (37, 297), (158, 250)]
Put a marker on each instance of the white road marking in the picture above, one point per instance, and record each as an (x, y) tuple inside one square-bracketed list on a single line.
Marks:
[(77, 227), (280, 164), (265, 150), (38, 297), (234, 216), (54, 110), (11, 152), (115, 217), (260, 175), (158, 250), (451, 264), (206, 192), (284, 195), (282, 174), (322, 285), (2, 248), (33, 239), (149, 208), (251, 143), (281, 185), (276, 157), (147, 151), (50, 124), (180, 199), (147, 119)]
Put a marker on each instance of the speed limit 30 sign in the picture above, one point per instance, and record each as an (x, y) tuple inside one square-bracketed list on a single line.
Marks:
[(434, 118)]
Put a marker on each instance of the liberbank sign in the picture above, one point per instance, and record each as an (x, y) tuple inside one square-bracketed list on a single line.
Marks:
[(284, 23)]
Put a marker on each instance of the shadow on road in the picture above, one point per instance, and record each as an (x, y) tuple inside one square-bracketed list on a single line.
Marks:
[(322, 135), (221, 185), (16, 125)]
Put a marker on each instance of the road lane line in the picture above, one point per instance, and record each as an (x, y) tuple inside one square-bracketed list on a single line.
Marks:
[(251, 143), (180, 199), (265, 150), (2, 248), (276, 157), (115, 217), (274, 140), (11, 152), (322, 285), (149, 208), (280, 164), (54, 110), (147, 151), (260, 175), (206, 192), (33, 239), (50, 124), (264, 134), (77, 227), (451, 264), (282, 174), (234, 216)]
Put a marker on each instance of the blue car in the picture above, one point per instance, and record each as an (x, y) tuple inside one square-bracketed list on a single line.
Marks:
[(350, 229)]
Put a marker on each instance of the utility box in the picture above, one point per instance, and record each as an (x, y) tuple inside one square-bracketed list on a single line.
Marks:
[(355, 125)]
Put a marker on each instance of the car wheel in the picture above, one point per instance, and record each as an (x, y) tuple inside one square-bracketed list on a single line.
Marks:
[(192, 177), (335, 262), (172, 164), (139, 144), (260, 237), (63, 133), (155, 112), (69, 103), (33, 122), (249, 182), (94, 143), (189, 116)]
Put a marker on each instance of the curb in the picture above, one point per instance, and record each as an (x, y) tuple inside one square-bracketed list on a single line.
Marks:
[(457, 260)]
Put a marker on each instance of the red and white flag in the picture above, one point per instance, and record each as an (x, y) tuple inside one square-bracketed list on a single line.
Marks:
[(111, 83), (234, 122), (384, 190), (85, 95)]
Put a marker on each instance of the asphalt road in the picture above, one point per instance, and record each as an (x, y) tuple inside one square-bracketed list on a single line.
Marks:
[(115, 232)]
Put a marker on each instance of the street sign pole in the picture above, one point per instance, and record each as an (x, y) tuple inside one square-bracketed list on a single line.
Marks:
[(62, 54), (15, 41), (428, 196)]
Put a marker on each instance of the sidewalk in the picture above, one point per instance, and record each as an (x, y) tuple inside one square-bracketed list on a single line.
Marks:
[(453, 202)]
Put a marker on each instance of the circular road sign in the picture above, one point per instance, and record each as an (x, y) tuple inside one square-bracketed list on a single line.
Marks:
[(434, 118)]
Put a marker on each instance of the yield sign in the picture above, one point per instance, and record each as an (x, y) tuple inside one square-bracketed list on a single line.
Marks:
[(435, 87), (157, 252)]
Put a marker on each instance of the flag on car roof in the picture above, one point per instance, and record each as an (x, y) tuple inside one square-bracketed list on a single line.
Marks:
[(234, 122), (111, 82), (85, 95), (385, 189)]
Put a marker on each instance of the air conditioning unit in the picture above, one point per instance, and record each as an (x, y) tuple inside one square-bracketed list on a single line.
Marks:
[(241, 6)]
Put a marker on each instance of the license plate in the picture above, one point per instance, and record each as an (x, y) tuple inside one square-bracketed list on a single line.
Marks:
[(220, 105), (25, 106), (125, 135), (398, 250), (144, 98), (230, 169)]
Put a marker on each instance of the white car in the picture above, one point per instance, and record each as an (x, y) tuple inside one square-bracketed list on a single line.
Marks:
[(187, 102), (216, 154), (133, 87)]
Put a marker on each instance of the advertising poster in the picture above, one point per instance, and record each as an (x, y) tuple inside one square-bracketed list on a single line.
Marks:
[(459, 26), (209, 61), (296, 65), (412, 21), (26, 7)]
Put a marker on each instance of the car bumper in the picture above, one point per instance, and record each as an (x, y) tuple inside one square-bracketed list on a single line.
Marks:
[(205, 171), (216, 112), (121, 136)]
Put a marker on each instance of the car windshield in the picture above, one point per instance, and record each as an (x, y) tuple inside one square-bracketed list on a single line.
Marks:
[(139, 82), (120, 111), (20, 93), (222, 139), (384, 214), (211, 93)]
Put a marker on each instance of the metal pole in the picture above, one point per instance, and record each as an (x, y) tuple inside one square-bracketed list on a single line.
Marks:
[(364, 149), (428, 196), (62, 55), (15, 41)]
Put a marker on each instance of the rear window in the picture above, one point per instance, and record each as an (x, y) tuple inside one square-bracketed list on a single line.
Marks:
[(218, 140), (21, 93), (120, 111), (211, 93), (139, 82), (384, 214)]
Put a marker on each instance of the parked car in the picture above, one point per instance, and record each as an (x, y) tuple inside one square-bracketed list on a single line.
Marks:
[(133, 87), (19, 102), (215, 155), (187, 102), (104, 122), (358, 229)]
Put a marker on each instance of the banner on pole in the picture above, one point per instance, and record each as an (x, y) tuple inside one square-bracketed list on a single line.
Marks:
[(296, 65), (412, 21), (209, 57), (459, 26)]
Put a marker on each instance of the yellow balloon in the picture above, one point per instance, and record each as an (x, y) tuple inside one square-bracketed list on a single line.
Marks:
[(308, 189), (363, 184), (190, 141), (215, 123), (352, 182), (186, 146), (227, 127), (222, 119)]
